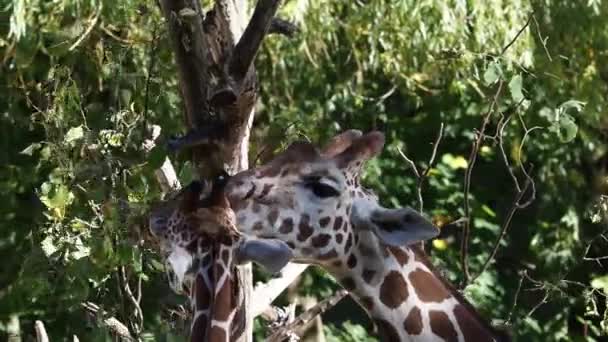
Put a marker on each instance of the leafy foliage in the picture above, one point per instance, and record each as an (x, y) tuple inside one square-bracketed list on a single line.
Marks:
[(85, 83)]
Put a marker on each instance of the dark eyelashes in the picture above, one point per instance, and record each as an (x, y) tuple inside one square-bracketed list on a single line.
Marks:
[(322, 190)]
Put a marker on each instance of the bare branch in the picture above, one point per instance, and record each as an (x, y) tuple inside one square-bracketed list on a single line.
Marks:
[(89, 29), (113, 324), (505, 226), (266, 293), (307, 316), (251, 40), (464, 246), (41, 335), (506, 47)]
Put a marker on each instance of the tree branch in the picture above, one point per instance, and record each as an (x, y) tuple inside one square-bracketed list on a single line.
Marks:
[(266, 293), (249, 43), (464, 245), (41, 335), (307, 316), (113, 324)]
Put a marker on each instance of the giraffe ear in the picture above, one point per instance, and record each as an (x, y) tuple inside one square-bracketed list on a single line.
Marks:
[(272, 254), (401, 227), (340, 142), (361, 149)]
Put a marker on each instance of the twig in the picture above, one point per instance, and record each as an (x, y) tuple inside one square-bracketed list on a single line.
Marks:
[(307, 316), (89, 29), (543, 41), (464, 246), (506, 47), (249, 43), (422, 176), (137, 321), (521, 280), (505, 226), (41, 335), (152, 54), (111, 323)]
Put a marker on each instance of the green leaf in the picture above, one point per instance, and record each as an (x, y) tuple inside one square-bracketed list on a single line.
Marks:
[(74, 134), (157, 157), (515, 87), (48, 247), (600, 283), (492, 73)]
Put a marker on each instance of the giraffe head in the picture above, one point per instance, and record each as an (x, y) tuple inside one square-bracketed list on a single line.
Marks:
[(313, 201), (186, 224)]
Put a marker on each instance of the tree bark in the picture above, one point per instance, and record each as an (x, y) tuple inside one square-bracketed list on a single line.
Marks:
[(214, 52)]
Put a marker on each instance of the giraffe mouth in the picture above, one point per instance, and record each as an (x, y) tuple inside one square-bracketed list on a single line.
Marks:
[(250, 192)]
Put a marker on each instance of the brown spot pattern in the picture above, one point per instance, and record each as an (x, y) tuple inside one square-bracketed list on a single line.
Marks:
[(399, 254), (202, 293), (442, 326), (349, 243), (258, 226), (321, 240), (199, 329), (348, 283), (368, 275), (329, 255), (427, 287), (413, 322), (352, 261), (339, 238), (286, 226), (323, 222), (386, 331), (338, 223), (305, 230), (216, 334), (471, 329), (393, 290)]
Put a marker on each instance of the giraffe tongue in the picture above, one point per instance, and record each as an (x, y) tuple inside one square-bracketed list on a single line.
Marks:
[(272, 254)]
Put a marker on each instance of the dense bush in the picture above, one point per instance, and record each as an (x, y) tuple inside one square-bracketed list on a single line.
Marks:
[(84, 83)]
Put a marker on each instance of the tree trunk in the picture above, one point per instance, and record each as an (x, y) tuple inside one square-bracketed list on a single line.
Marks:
[(214, 52)]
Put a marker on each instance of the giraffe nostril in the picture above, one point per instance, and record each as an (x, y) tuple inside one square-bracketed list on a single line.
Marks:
[(408, 218)]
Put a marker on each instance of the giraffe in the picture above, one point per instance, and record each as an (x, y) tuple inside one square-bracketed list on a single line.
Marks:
[(314, 202), (203, 247)]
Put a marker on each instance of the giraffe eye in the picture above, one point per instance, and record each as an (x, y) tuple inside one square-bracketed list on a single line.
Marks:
[(322, 190)]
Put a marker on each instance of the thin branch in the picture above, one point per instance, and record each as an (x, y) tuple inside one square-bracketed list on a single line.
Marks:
[(521, 280), (137, 321), (113, 324), (464, 246), (89, 29), (246, 49), (41, 335), (307, 316), (542, 41), (515, 205), (152, 54), (506, 47)]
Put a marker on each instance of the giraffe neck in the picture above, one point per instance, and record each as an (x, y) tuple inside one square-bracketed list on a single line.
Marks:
[(216, 299), (406, 298)]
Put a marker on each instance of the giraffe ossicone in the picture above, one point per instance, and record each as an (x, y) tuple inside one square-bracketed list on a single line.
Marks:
[(203, 247), (313, 201)]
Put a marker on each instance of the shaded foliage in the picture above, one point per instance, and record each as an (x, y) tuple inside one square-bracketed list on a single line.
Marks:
[(85, 82)]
